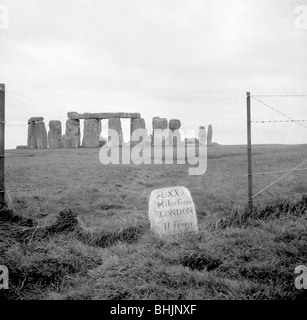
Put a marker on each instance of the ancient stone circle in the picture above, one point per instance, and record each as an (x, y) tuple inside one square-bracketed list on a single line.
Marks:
[(39, 139)]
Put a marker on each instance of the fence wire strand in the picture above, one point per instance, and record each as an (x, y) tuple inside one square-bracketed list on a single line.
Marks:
[(268, 121), (283, 176), (270, 107)]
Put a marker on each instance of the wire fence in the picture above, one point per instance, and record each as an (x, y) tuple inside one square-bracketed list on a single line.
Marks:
[(235, 99), (290, 119)]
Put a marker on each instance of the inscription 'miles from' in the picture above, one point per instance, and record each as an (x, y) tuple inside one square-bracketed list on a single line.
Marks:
[(172, 213)]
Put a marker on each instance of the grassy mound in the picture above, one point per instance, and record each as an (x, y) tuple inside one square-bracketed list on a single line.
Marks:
[(44, 258), (241, 256)]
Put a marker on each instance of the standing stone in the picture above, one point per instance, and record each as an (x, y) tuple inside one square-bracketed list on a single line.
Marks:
[(72, 134), (34, 119), (32, 136), (174, 125), (41, 135), (202, 135), (158, 123), (91, 133), (63, 141), (55, 134), (137, 123), (115, 124), (172, 213), (210, 134)]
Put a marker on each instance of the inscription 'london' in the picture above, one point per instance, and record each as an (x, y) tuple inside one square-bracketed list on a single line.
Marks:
[(176, 212)]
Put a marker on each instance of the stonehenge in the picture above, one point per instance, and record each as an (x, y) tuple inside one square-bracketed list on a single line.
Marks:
[(39, 139)]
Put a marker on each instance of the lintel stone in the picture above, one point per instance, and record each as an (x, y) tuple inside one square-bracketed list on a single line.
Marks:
[(102, 115)]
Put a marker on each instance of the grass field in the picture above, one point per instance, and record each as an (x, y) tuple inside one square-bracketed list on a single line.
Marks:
[(111, 254)]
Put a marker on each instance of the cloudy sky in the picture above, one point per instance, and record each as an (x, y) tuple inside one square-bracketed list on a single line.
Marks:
[(191, 60)]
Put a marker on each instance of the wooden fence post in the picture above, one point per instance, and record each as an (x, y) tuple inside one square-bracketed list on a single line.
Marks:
[(249, 153), (2, 132)]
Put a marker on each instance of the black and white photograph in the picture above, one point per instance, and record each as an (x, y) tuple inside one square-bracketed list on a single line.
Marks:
[(153, 151)]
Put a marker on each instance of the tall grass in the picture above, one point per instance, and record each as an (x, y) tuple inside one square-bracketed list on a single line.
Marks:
[(244, 256)]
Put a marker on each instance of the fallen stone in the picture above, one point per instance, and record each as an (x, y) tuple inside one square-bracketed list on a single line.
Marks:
[(72, 134), (55, 134), (91, 133), (172, 213)]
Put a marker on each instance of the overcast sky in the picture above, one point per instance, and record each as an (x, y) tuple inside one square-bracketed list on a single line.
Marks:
[(191, 60)]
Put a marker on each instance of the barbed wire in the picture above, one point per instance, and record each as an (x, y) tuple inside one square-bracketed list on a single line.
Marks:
[(279, 95), (267, 121), (265, 104)]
